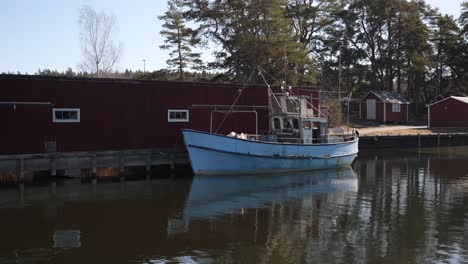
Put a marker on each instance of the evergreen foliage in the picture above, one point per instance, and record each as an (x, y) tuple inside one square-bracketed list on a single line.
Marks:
[(356, 45), (252, 34), (180, 40)]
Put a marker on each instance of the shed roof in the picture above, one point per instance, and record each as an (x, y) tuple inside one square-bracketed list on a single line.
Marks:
[(459, 98), (388, 97)]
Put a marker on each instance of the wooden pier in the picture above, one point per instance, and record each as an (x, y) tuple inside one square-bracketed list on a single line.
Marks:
[(71, 164)]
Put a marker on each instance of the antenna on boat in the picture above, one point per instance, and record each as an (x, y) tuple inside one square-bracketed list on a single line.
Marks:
[(285, 67), (270, 92), (348, 101), (235, 101)]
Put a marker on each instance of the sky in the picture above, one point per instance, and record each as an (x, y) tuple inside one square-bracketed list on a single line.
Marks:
[(45, 33)]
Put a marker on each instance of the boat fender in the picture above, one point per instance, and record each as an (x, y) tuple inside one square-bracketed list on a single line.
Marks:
[(242, 136)]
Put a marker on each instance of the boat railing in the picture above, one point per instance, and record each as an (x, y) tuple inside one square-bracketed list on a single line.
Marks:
[(325, 138), (342, 137)]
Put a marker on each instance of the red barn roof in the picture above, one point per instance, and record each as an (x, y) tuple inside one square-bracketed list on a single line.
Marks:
[(459, 98), (388, 97)]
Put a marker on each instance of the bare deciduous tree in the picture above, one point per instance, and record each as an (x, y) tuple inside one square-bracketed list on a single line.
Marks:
[(100, 53)]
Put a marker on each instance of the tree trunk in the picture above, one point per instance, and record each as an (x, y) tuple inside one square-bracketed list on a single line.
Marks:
[(179, 49)]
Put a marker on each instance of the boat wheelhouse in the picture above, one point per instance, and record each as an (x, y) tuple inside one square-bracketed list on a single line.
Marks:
[(292, 120)]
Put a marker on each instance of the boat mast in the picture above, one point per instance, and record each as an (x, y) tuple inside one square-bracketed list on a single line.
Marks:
[(270, 109)]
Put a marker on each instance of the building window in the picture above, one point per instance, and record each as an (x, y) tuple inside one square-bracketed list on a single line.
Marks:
[(177, 115), (396, 108), (66, 115)]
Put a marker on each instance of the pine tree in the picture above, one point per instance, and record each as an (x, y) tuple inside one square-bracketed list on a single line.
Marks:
[(463, 19), (180, 40), (252, 34)]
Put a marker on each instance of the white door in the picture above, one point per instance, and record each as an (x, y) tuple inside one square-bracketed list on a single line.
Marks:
[(370, 109), (307, 129)]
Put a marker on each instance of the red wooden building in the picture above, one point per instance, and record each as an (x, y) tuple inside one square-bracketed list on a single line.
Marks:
[(448, 112), (41, 114), (384, 106)]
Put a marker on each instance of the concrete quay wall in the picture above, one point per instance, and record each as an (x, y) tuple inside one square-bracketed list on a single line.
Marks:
[(413, 141)]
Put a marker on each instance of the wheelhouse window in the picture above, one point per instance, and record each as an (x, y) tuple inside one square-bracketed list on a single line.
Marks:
[(290, 106), (66, 115), (396, 108), (286, 124), (277, 123), (177, 115), (295, 123)]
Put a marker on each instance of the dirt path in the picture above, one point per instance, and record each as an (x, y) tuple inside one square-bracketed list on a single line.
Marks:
[(393, 130)]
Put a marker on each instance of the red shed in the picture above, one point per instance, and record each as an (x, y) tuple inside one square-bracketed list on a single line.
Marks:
[(383, 106), (448, 112), (41, 113)]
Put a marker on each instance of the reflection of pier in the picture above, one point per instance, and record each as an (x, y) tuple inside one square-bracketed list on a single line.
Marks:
[(95, 220), (76, 163)]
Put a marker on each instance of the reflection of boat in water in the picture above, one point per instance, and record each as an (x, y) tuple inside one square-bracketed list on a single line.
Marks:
[(216, 196)]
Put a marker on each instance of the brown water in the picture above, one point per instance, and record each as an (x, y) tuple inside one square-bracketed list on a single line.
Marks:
[(391, 207)]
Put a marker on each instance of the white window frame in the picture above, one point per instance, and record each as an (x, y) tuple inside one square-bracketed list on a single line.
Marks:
[(169, 119), (66, 120), (396, 108)]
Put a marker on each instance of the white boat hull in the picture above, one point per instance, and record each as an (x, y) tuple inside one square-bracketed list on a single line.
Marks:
[(218, 154)]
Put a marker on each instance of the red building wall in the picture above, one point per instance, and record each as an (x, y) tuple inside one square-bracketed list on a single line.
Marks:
[(379, 115), (396, 116), (116, 114), (449, 113)]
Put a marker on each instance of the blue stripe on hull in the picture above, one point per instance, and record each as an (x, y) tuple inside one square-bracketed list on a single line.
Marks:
[(213, 162)]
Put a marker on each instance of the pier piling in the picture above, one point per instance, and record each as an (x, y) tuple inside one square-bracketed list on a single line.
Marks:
[(93, 166), (419, 141), (20, 170), (172, 158), (53, 166), (122, 165), (148, 165)]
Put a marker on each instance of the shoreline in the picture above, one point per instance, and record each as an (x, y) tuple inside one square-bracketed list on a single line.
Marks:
[(413, 140)]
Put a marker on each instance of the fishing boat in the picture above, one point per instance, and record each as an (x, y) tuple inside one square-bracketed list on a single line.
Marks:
[(298, 140)]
